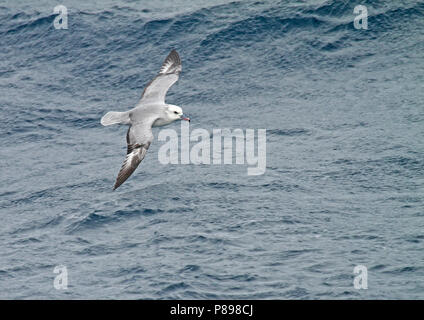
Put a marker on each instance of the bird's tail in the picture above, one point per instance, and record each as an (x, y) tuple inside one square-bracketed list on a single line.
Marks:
[(114, 117)]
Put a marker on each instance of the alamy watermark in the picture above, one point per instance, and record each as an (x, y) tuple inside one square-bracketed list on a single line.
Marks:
[(61, 280), (361, 280), (361, 20), (61, 21), (214, 149)]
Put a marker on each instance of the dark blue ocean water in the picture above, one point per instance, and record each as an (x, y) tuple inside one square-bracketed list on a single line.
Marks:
[(344, 185)]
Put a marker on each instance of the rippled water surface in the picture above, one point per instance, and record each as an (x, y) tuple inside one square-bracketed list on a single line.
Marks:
[(344, 113)]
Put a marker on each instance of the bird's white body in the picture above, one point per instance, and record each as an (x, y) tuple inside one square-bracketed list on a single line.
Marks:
[(151, 111), (166, 113)]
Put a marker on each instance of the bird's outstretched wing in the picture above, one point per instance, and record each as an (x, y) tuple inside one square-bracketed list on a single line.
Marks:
[(139, 138), (156, 90)]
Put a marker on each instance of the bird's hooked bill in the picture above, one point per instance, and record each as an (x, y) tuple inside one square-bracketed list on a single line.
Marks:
[(185, 118)]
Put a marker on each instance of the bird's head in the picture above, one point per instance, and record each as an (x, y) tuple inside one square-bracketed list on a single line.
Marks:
[(176, 113)]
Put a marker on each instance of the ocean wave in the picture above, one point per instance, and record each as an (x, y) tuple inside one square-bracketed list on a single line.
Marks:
[(96, 220)]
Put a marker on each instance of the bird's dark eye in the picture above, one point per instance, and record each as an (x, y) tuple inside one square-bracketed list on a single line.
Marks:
[(175, 112)]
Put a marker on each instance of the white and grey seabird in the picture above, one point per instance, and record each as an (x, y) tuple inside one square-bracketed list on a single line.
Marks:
[(151, 111)]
